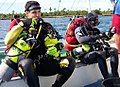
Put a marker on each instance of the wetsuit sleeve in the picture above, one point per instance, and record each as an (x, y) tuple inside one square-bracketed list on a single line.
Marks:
[(85, 38), (79, 36), (12, 35)]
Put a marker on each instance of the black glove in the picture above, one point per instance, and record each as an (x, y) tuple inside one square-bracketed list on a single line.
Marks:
[(105, 36), (39, 20), (27, 22), (36, 22), (93, 38)]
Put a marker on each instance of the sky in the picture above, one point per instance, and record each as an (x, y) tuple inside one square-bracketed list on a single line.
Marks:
[(7, 6)]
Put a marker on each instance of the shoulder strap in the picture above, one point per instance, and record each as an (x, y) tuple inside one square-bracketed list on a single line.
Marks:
[(40, 27)]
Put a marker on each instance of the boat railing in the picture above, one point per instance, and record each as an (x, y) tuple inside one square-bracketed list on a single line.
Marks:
[(2, 49)]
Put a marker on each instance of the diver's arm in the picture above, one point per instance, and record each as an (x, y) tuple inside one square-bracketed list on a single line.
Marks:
[(81, 39), (13, 34), (96, 31)]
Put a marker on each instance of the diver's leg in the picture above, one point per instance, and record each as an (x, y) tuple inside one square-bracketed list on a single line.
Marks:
[(114, 61), (64, 73), (94, 57), (103, 67), (30, 76)]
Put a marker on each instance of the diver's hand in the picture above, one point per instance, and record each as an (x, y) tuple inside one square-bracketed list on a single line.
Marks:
[(94, 37), (39, 20), (32, 22), (105, 36), (27, 22), (64, 63)]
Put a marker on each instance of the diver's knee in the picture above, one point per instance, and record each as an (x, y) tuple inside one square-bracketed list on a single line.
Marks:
[(71, 61), (113, 50), (25, 63)]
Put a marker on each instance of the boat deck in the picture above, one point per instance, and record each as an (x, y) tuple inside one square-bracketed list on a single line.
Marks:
[(95, 84), (18, 84), (83, 76)]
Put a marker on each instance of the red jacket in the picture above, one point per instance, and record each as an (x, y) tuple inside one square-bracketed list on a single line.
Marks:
[(70, 39)]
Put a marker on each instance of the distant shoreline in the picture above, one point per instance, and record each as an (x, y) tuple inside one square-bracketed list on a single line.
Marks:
[(62, 16), (72, 16), (106, 14)]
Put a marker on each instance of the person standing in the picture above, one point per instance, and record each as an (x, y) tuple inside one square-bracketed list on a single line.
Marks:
[(115, 28)]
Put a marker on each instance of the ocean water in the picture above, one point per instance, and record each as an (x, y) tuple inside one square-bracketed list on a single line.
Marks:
[(59, 24)]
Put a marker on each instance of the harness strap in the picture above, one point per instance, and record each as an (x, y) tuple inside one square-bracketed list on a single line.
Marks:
[(40, 27)]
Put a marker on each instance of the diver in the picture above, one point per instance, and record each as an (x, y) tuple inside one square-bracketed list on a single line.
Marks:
[(85, 42), (35, 50)]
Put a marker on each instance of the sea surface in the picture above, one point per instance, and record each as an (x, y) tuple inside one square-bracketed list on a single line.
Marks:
[(59, 24)]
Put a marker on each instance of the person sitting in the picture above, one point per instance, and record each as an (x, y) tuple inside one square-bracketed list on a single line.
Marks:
[(35, 50), (82, 40)]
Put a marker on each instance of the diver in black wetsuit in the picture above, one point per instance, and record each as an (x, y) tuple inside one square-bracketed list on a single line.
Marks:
[(35, 50), (92, 50)]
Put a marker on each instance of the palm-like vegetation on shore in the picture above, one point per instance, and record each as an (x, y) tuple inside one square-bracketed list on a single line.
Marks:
[(56, 13)]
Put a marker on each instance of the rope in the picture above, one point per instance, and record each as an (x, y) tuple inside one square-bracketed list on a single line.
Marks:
[(79, 4), (73, 4), (59, 4), (2, 4), (10, 6)]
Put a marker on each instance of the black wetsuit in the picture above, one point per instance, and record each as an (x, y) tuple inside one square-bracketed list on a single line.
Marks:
[(45, 66), (89, 35)]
